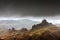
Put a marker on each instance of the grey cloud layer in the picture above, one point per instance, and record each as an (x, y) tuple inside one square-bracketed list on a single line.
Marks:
[(29, 8)]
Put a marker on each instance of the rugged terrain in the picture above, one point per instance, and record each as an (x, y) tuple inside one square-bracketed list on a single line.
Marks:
[(42, 31)]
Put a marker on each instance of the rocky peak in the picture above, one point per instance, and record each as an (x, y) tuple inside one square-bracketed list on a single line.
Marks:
[(44, 23)]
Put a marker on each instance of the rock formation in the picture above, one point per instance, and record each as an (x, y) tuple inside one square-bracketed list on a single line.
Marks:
[(44, 23)]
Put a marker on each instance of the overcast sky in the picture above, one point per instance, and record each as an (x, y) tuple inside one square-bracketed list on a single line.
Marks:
[(30, 8)]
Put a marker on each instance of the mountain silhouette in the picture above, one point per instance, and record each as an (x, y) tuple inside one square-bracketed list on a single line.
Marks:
[(44, 23)]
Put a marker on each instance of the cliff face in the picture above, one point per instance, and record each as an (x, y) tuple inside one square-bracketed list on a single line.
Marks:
[(44, 23)]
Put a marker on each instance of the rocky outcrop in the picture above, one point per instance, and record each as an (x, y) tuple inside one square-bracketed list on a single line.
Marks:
[(24, 30), (44, 23)]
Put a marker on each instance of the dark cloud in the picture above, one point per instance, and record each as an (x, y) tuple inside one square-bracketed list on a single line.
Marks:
[(29, 8)]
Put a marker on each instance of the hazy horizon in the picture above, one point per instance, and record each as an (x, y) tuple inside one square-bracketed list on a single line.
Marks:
[(34, 10)]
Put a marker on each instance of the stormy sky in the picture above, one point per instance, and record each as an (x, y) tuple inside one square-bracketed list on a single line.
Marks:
[(30, 8), (34, 10)]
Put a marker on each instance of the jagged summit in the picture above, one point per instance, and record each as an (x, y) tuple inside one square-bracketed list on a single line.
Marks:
[(44, 23)]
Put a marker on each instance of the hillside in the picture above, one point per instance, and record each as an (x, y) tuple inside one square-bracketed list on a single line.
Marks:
[(42, 31)]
